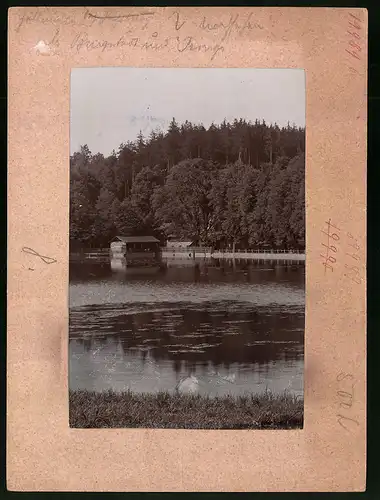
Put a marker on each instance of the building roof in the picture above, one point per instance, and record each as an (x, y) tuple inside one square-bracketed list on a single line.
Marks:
[(137, 239), (179, 243)]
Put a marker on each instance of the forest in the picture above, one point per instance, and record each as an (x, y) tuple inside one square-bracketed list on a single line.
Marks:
[(232, 185)]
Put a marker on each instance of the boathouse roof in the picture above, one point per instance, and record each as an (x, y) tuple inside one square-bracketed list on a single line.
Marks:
[(136, 239), (179, 243)]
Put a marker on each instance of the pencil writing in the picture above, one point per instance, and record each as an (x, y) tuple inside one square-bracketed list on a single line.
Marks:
[(178, 25), (44, 258), (354, 43), (345, 399), (352, 268), (329, 257)]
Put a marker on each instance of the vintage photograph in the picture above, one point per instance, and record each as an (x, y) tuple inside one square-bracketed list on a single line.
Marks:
[(187, 248)]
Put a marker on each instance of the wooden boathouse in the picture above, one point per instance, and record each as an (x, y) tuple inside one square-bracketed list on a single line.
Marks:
[(135, 250)]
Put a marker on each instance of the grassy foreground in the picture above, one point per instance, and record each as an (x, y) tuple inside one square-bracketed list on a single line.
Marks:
[(176, 411)]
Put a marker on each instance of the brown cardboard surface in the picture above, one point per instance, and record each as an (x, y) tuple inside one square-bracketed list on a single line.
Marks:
[(43, 453)]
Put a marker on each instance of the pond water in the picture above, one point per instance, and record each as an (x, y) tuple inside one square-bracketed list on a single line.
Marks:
[(237, 327)]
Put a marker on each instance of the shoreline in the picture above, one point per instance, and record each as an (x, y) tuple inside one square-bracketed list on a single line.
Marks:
[(237, 255), (110, 409), (190, 256)]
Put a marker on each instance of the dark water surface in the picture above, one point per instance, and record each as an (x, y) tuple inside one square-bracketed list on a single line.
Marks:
[(236, 328)]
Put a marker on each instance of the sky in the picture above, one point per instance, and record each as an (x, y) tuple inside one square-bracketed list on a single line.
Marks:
[(109, 106)]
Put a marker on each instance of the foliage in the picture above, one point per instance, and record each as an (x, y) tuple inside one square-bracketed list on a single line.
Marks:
[(183, 202), (237, 183), (181, 411)]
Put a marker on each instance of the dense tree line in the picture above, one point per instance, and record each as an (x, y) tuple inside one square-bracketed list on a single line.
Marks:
[(234, 184)]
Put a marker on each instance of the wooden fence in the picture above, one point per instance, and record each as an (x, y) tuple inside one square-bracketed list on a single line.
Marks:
[(104, 254), (237, 250), (266, 250), (187, 249)]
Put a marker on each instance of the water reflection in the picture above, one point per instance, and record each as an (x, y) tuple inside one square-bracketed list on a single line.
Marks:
[(236, 330)]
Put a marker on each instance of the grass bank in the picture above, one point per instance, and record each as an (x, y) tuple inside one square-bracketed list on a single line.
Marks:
[(177, 411)]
